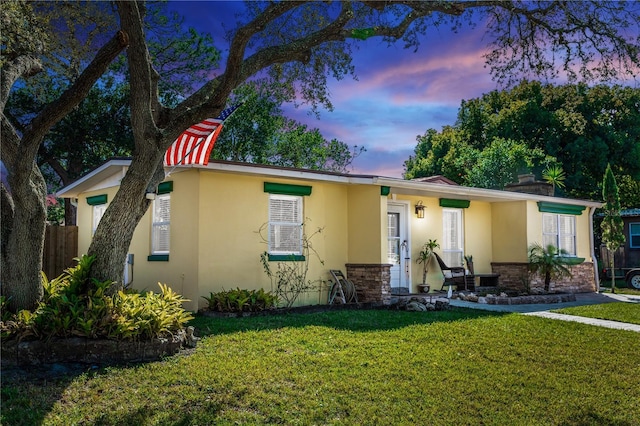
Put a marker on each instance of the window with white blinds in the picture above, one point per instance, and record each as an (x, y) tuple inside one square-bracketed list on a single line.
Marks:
[(98, 212), (285, 224), (160, 228), (559, 231), (453, 244)]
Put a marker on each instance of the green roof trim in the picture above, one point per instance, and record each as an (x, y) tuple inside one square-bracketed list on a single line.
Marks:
[(385, 190), (548, 207), (456, 204), (96, 200), (286, 189), (165, 187)]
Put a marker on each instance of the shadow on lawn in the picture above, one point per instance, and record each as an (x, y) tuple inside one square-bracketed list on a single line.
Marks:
[(347, 319), (29, 393)]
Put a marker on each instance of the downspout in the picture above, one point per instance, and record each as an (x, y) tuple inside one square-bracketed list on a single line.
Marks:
[(592, 211)]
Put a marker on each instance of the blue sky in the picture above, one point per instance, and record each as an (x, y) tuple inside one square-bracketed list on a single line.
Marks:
[(399, 94)]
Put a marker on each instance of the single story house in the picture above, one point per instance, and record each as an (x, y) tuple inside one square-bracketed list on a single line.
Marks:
[(202, 232)]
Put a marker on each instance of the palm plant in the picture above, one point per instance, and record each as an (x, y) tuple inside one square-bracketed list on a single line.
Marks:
[(549, 261), (554, 175), (424, 256)]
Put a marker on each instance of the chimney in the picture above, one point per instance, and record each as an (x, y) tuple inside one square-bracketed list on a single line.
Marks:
[(528, 184)]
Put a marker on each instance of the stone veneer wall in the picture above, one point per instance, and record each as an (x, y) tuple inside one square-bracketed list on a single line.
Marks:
[(512, 275), (372, 282)]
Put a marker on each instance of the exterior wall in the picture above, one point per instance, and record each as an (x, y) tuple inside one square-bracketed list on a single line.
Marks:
[(233, 208), (180, 271), (509, 231), (85, 217), (367, 222), (478, 235)]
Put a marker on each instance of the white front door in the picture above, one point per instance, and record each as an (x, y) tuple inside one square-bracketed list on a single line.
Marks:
[(398, 245)]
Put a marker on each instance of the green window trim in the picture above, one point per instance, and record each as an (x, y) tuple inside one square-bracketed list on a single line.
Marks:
[(165, 187), (286, 258), (547, 207), (96, 200), (286, 189), (456, 204), (158, 258), (385, 190), (570, 260)]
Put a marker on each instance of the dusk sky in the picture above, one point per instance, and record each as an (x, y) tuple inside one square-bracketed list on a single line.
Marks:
[(399, 94)]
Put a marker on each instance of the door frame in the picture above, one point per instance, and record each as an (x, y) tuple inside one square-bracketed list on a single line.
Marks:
[(403, 207)]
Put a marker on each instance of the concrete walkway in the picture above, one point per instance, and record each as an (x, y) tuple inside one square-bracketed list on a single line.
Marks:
[(543, 310)]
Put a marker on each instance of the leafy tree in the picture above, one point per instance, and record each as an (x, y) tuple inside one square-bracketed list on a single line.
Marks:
[(501, 162), (576, 126), (629, 190), (26, 40), (297, 44), (259, 133), (99, 127), (611, 226)]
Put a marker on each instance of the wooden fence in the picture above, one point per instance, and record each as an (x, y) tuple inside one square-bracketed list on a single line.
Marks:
[(60, 247)]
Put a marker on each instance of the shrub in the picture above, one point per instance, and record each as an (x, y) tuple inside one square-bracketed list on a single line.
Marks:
[(72, 307), (241, 300)]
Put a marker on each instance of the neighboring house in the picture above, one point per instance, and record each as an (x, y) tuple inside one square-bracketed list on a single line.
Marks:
[(628, 255), (200, 234)]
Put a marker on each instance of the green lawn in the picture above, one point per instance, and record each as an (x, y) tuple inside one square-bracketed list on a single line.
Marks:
[(359, 367), (617, 311)]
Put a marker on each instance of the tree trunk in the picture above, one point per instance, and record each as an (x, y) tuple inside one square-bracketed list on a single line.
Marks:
[(113, 236), (613, 272), (22, 255), (70, 213), (547, 281)]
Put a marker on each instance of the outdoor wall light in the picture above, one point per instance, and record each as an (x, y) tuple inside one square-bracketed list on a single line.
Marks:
[(420, 209)]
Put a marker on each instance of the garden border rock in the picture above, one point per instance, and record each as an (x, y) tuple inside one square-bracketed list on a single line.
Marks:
[(92, 351)]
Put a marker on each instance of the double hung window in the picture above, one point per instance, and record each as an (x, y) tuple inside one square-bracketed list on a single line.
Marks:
[(452, 232), (161, 225), (285, 225), (559, 231)]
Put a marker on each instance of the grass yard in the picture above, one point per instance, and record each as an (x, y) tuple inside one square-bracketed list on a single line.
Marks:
[(617, 311), (359, 367)]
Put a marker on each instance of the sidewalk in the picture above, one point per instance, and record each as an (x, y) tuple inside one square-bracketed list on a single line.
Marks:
[(543, 310)]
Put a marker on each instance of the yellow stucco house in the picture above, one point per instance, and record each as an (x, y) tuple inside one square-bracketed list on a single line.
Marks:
[(200, 234)]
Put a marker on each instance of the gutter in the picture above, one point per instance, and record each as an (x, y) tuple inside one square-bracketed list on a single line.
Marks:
[(596, 275)]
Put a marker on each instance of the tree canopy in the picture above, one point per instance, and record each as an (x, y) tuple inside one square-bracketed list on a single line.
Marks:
[(574, 126), (295, 44)]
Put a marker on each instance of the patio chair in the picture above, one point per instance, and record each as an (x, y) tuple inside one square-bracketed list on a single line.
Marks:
[(453, 275)]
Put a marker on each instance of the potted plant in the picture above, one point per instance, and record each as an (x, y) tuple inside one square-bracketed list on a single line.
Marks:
[(424, 257), (469, 260)]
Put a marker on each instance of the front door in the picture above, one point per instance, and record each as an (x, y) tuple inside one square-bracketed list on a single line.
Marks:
[(398, 246)]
